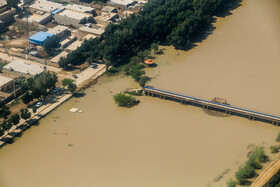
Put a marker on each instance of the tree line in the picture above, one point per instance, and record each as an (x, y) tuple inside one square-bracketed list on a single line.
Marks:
[(170, 21)]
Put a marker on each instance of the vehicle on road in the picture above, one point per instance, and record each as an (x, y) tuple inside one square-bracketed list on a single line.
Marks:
[(55, 89), (93, 65), (39, 104)]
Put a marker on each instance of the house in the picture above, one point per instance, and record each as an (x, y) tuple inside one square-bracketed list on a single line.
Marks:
[(43, 19), (45, 6), (89, 36), (73, 46), (79, 8), (3, 3), (65, 42), (60, 31), (71, 18), (123, 4), (6, 83), (40, 37), (105, 18), (24, 2), (19, 68), (109, 9), (87, 30), (57, 57)]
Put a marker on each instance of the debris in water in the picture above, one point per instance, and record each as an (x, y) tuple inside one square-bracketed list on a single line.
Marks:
[(70, 145), (74, 110)]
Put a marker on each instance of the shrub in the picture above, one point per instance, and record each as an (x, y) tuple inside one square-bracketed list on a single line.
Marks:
[(278, 137), (258, 154), (231, 183), (124, 100), (274, 149), (244, 172), (143, 80)]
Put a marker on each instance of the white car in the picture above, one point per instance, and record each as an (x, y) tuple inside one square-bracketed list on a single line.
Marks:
[(39, 104), (55, 90)]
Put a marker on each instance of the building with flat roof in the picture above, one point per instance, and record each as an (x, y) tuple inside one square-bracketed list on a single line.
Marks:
[(60, 31), (79, 8), (122, 3), (97, 32), (3, 3), (6, 83), (40, 37), (19, 68), (73, 46), (45, 6), (71, 18), (43, 19), (109, 9), (57, 57), (105, 18), (89, 36)]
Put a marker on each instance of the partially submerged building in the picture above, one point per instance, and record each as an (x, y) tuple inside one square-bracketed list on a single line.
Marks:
[(19, 68), (40, 37)]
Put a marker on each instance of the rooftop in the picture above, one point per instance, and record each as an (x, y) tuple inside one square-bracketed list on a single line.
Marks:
[(20, 66), (92, 30), (57, 29), (108, 9), (89, 36), (72, 14), (46, 6), (57, 57), (74, 45), (40, 37), (3, 3), (79, 8), (106, 16), (4, 80), (122, 2)]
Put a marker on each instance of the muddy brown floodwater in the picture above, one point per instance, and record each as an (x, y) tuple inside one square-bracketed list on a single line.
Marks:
[(163, 143)]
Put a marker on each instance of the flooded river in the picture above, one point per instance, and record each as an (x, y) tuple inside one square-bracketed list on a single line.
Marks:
[(163, 143)]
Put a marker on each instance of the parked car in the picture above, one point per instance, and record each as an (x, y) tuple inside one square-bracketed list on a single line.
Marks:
[(93, 65), (55, 89), (39, 104)]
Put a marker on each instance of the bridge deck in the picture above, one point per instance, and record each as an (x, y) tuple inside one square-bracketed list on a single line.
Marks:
[(212, 104)]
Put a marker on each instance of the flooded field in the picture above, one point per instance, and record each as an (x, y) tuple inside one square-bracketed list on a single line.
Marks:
[(163, 143)]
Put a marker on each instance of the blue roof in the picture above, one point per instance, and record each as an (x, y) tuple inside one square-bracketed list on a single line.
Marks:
[(40, 37), (56, 11)]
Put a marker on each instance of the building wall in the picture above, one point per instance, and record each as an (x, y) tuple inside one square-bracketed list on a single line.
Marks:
[(64, 20), (7, 87)]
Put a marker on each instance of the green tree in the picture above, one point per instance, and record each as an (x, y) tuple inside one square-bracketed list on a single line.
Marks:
[(154, 47), (2, 132), (24, 113), (51, 43), (69, 83), (63, 63), (34, 109), (4, 110), (14, 119), (231, 183), (13, 3), (6, 126), (124, 100), (27, 98)]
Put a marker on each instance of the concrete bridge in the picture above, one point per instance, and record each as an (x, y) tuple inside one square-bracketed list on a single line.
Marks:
[(228, 109)]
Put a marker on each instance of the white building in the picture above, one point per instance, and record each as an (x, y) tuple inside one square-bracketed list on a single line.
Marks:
[(45, 6), (19, 68), (71, 18), (122, 3), (79, 8), (60, 31)]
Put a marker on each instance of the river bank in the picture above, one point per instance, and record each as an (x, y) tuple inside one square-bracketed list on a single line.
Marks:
[(162, 143)]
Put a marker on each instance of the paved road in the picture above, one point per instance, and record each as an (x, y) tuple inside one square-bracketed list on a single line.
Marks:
[(267, 174)]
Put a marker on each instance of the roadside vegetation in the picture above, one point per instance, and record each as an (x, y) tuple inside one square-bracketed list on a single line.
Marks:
[(39, 86), (70, 85), (125, 100)]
